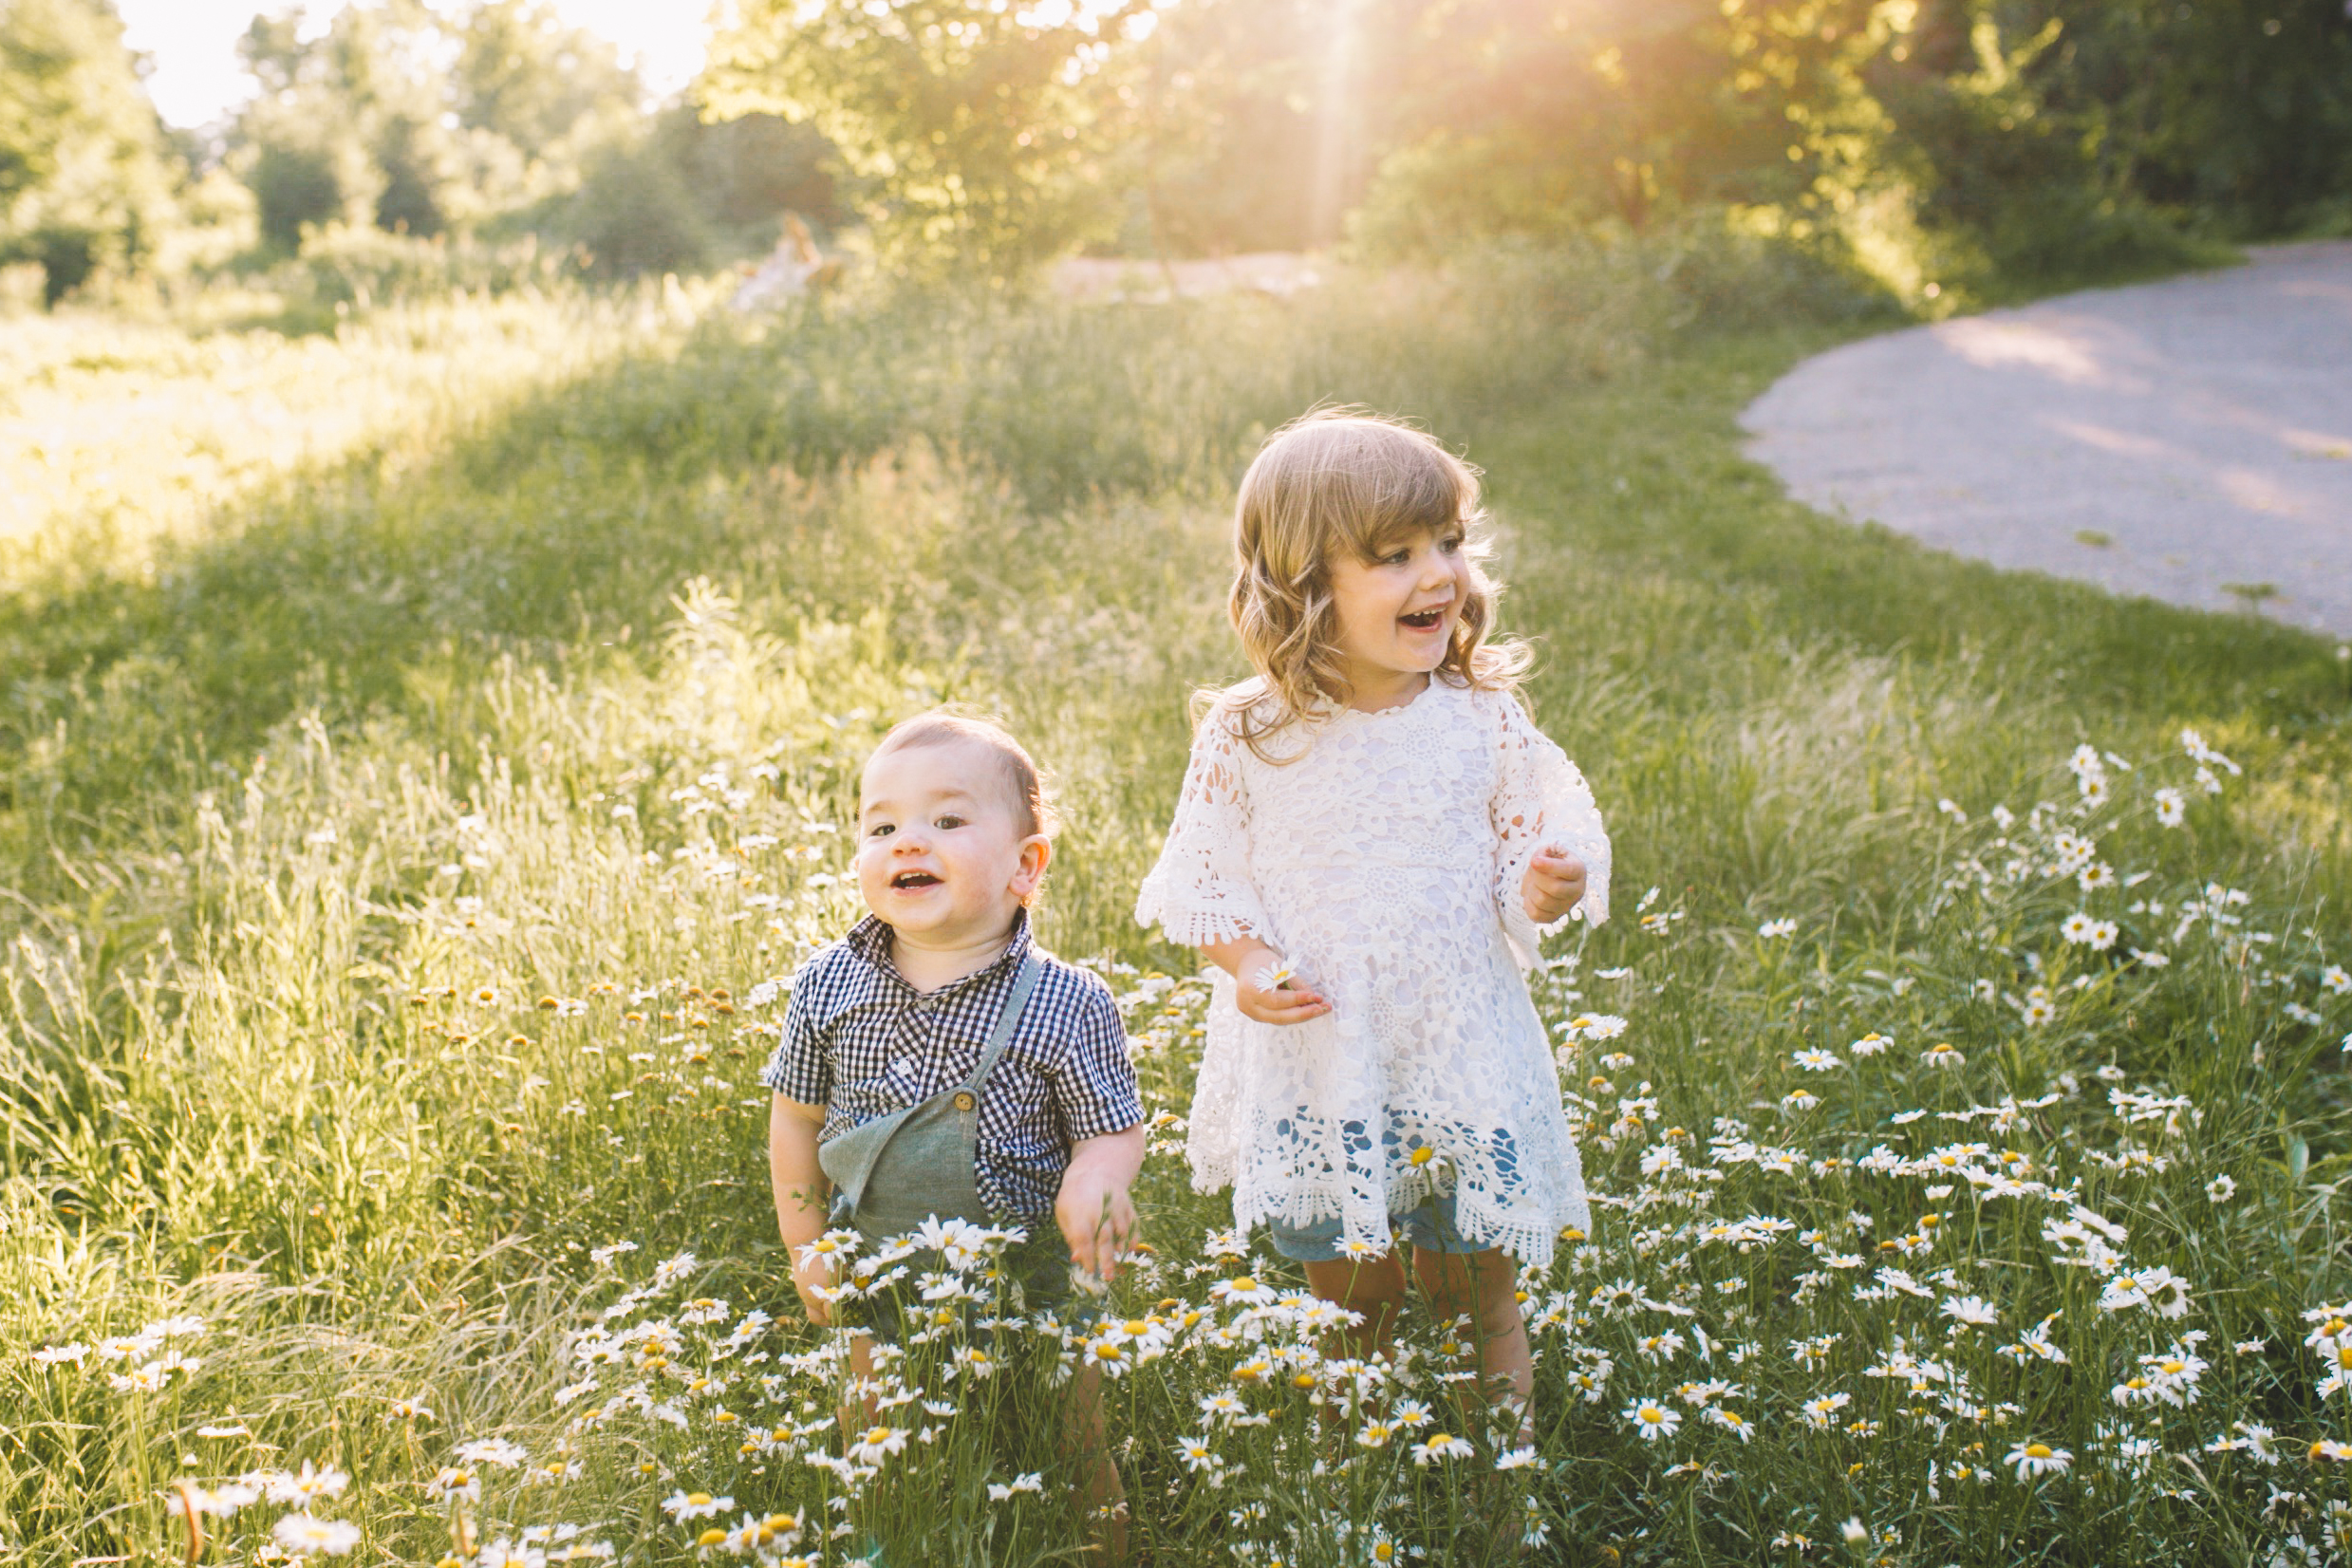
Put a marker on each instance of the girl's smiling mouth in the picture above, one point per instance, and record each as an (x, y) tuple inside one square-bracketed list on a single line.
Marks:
[(1425, 620)]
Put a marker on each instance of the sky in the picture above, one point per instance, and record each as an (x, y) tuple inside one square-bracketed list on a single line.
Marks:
[(195, 80)]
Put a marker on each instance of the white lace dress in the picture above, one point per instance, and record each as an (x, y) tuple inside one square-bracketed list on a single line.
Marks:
[(1383, 859)]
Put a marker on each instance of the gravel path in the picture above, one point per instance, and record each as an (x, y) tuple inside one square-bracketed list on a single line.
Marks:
[(2173, 439)]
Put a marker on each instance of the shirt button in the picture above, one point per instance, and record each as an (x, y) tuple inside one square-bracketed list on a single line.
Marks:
[(963, 1099)]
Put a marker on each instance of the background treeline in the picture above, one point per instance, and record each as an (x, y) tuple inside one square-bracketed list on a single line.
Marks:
[(468, 145), (1943, 145)]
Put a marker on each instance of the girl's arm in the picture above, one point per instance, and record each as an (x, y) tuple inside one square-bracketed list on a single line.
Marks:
[(1200, 893), (1551, 851), (800, 1198)]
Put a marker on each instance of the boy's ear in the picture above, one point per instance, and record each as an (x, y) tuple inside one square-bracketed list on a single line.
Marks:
[(1029, 876)]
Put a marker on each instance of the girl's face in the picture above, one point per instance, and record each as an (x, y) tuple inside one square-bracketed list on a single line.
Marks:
[(1398, 614)]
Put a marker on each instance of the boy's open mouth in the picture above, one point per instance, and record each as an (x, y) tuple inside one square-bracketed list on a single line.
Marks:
[(914, 879), (1424, 619)]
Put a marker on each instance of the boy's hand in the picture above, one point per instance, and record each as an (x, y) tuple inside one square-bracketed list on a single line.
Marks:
[(1093, 1211), (1553, 885), (1263, 987)]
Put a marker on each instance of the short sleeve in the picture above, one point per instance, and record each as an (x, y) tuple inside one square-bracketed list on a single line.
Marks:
[(800, 1068), (1094, 1088), (1200, 890), (1541, 798)]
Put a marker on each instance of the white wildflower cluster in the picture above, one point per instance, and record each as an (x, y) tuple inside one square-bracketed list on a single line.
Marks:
[(1954, 1224)]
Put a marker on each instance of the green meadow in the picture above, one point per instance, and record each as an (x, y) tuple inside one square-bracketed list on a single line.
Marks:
[(402, 836)]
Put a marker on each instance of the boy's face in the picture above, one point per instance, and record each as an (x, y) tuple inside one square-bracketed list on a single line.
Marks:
[(943, 857)]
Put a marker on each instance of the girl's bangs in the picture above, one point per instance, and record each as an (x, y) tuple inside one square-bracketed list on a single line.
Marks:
[(1430, 501)]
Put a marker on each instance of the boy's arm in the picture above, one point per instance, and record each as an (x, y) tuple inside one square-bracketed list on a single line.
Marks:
[(1096, 1216), (1099, 1111), (800, 1196)]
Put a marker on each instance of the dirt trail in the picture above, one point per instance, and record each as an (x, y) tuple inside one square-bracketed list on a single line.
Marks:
[(2174, 438)]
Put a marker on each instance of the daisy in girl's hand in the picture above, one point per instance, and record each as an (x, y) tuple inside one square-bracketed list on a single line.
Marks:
[(1264, 987), (1553, 885)]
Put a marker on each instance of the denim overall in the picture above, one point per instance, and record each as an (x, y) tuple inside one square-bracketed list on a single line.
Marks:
[(892, 1173)]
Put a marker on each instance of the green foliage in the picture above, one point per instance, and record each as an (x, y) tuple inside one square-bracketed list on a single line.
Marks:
[(983, 137), (2232, 111), (294, 188), (633, 215), (1232, 149), (745, 172), (686, 191), (419, 123), (1559, 118), (2007, 144), (499, 120), (85, 181), (525, 77), (2021, 179)]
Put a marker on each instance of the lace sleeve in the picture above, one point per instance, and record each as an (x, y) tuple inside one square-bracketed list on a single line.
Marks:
[(1541, 798), (1200, 890)]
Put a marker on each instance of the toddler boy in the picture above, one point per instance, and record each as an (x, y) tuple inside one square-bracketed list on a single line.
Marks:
[(901, 1016)]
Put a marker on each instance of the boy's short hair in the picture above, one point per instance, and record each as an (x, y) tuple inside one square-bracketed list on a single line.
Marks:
[(1023, 784)]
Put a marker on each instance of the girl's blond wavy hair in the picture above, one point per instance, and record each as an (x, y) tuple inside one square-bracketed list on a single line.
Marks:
[(1345, 479)]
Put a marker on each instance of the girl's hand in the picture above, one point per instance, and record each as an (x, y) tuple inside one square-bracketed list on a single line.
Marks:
[(1263, 985), (1553, 885), (1288, 1003)]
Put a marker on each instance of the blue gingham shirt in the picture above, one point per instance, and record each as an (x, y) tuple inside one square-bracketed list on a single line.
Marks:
[(862, 1042)]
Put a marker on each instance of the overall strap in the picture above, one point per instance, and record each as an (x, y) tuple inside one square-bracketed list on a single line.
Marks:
[(1008, 1021)]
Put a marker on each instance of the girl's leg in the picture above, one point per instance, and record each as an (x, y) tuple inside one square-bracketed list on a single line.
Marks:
[(1484, 1286), (1373, 1286)]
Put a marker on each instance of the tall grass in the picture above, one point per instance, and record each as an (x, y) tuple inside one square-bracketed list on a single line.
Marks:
[(401, 860)]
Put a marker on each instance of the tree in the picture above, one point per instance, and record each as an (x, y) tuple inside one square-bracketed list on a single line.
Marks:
[(84, 180), (1550, 116), (985, 137), (412, 120), (523, 75), (634, 216), (1232, 128)]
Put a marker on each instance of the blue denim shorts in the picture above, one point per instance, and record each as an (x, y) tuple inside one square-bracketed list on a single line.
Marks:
[(1429, 1224)]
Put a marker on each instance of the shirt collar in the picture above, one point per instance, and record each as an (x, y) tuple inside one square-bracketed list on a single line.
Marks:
[(869, 939)]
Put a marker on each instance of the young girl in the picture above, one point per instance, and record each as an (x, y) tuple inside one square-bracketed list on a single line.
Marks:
[(1372, 839)]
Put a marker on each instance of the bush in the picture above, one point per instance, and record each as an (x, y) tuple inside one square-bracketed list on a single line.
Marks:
[(295, 188), (633, 217), (362, 267)]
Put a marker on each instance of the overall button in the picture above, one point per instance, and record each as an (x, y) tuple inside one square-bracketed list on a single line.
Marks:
[(963, 1099)]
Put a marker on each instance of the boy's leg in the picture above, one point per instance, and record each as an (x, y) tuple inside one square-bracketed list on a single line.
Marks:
[(1086, 1442), (860, 1412), (1484, 1286)]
